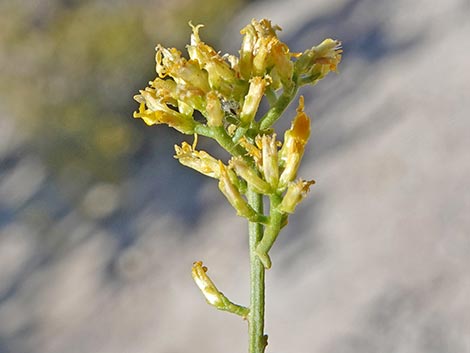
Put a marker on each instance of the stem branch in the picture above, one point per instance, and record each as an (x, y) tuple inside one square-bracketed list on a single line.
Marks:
[(278, 107)]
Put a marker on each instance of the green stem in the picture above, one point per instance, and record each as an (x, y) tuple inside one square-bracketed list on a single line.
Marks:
[(271, 231), (278, 108), (220, 135), (257, 339)]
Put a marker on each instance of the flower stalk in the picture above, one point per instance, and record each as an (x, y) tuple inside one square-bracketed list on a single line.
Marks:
[(227, 91)]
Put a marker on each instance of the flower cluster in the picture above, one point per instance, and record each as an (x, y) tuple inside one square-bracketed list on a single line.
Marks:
[(227, 91)]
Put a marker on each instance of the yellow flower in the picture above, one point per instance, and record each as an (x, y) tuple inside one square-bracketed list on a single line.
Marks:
[(293, 148), (154, 110), (200, 161), (253, 99), (250, 175), (296, 191), (270, 159), (283, 66), (221, 76), (263, 53), (315, 63), (214, 112), (234, 196), (329, 53), (252, 150), (169, 62)]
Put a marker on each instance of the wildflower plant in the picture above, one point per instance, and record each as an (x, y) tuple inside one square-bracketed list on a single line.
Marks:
[(227, 91)]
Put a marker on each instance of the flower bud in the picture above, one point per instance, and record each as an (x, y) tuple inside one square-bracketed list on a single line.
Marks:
[(213, 296), (205, 284), (296, 191)]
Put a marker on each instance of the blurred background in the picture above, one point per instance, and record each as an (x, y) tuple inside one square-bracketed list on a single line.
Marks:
[(99, 225)]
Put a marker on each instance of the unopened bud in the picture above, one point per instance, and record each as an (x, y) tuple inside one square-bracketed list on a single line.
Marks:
[(205, 284), (213, 296)]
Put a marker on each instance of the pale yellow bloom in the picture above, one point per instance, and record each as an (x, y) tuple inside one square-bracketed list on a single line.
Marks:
[(221, 76), (252, 150), (169, 62), (263, 53), (200, 161), (315, 63), (329, 52), (296, 191), (155, 110)]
